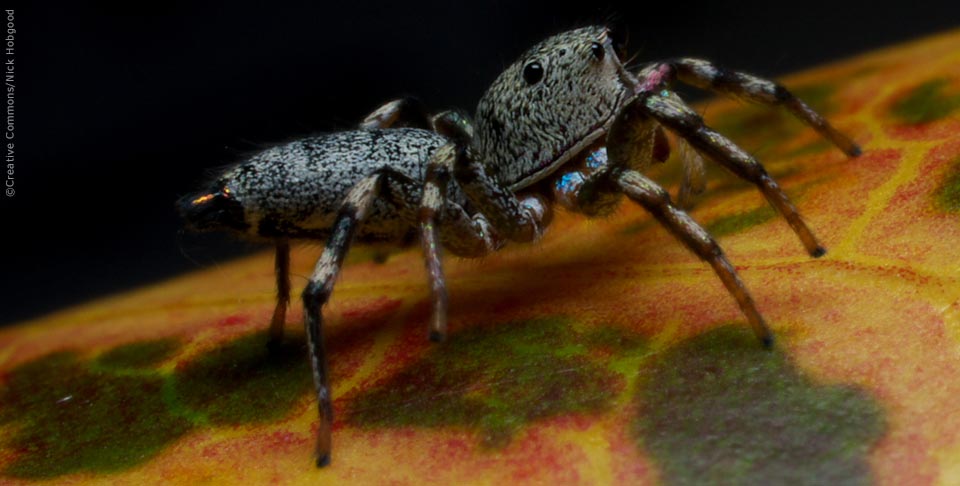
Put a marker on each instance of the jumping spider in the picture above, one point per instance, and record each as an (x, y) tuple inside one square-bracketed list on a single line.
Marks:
[(566, 124)]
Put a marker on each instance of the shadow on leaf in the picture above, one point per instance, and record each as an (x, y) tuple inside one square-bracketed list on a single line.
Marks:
[(718, 409), (241, 382), (498, 379)]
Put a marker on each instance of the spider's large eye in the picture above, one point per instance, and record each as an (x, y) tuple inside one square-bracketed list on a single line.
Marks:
[(597, 50), (532, 72)]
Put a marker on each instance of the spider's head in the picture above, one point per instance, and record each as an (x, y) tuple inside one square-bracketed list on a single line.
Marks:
[(557, 99)]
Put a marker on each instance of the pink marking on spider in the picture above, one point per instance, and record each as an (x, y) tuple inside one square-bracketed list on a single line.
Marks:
[(653, 80)]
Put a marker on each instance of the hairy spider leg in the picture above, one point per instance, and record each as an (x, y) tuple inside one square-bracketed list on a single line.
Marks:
[(670, 111), (656, 200), (707, 75), (462, 234), (282, 269), (355, 207), (501, 215), (632, 135), (431, 203), (401, 112)]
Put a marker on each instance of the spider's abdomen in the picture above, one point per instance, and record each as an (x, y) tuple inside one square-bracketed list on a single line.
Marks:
[(295, 190)]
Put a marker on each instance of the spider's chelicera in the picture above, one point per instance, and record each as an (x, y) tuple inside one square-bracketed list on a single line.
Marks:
[(566, 124)]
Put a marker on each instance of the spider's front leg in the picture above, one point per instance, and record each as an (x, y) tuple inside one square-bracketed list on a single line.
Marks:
[(670, 111), (656, 200), (626, 139), (707, 75)]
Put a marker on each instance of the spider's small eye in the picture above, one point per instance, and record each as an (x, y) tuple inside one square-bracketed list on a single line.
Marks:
[(597, 50), (532, 73)]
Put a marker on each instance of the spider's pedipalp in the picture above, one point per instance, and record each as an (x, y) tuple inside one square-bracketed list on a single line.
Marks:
[(707, 75), (670, 111), (517, 218), (656, 200)]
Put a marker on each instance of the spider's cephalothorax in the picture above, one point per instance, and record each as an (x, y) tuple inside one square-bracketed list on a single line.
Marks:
[(566, 124), (560, 97)]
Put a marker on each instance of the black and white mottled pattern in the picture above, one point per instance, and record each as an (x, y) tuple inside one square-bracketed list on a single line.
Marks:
[(294, 190)]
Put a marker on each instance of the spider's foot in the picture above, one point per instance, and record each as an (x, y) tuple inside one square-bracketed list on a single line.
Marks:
[(437, 336), (818, 252), (275, 344), (322, 450), (767, 341)]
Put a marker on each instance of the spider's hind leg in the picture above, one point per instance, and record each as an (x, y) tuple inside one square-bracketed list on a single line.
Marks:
[(282, 264), (353, 210), (402, 112)]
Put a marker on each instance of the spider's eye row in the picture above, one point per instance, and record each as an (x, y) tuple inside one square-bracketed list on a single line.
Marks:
[(532, 73), (597, 50)]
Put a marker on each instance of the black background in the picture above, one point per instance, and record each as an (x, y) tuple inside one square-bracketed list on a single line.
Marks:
[(122, 108)]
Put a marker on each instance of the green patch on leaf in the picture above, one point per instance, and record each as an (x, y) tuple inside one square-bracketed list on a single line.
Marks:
[(736, 223), (720, 409), (498, 379), (138, 355), (71, 415), (926, 103), (68, 418), (947, 196)]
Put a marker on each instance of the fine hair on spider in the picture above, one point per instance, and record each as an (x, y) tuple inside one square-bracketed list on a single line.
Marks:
[(567, 124)]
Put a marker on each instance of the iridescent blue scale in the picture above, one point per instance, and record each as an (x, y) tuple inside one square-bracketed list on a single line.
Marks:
[(569, 182), (597, 159)]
